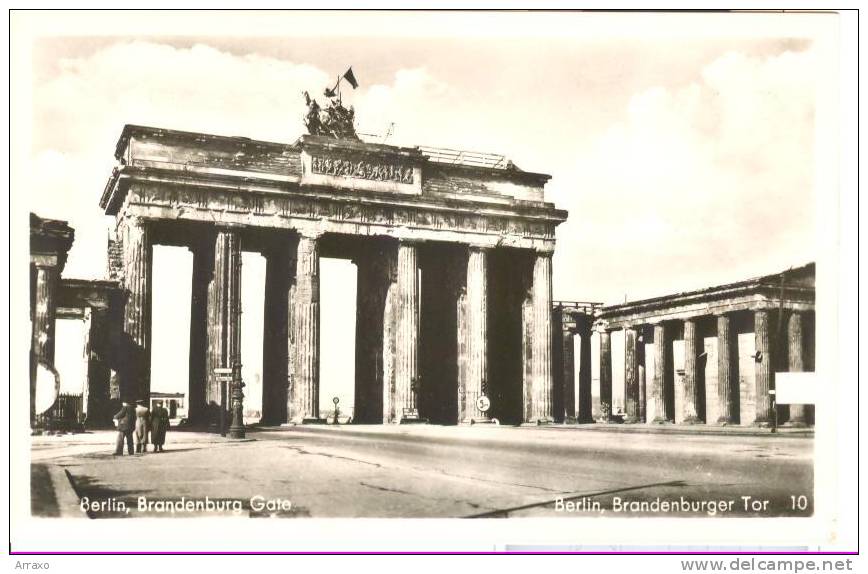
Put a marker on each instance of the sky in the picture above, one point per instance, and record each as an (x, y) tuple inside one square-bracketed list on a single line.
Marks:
[(682, 145)]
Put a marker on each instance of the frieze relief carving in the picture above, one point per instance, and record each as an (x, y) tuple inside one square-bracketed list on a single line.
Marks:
[(193, 200), (361, 170)]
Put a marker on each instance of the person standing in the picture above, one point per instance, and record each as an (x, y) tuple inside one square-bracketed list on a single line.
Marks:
[(142, 423), (159, 426), (126, 418)]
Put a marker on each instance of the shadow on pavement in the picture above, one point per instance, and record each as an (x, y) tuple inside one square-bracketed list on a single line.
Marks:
[(43, 502)]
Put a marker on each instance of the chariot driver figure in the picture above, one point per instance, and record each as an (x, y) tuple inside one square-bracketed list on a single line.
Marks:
[(335, 121), (312, 120)]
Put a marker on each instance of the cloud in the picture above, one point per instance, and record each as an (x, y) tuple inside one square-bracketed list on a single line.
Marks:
[(79, 113), (705, 182)]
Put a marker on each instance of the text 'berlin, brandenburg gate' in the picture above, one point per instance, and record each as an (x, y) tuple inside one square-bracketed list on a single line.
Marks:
[(454, 267)]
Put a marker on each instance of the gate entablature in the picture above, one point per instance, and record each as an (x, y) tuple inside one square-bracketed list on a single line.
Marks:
[(324, 184)]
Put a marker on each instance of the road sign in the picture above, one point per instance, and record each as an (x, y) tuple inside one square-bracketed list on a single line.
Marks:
[(336, 400), (482, 403)]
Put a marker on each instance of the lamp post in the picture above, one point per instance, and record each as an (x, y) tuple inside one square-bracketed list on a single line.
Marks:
[(236, 430)]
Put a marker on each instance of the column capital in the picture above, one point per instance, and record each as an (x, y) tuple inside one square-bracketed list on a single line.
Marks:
[(481, 247), (410, 241), (310, 230), (227, 227), (602, 327), (135, 219), (44, 261)]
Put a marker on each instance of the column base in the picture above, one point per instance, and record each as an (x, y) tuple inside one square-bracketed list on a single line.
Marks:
[(412, 421), (235, 433), (632, 420), (693, 421), (305, 421), (570, 421), (538, 422), (612, 419), (796, 424), (474, 422), (726, 421), (762, 424), (661, 421)]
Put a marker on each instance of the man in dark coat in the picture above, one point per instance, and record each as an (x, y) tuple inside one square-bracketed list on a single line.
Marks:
[(126, 424), (159, 425)]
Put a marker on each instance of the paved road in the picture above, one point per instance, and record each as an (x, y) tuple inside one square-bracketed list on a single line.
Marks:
[(430, 471)]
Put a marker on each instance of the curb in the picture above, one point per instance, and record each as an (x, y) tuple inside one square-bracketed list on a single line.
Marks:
[(68, 501)]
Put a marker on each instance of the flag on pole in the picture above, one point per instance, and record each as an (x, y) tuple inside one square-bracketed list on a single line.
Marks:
[(348, 76), (332, 92)]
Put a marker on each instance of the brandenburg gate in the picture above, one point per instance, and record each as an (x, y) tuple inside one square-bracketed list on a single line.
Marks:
[(454, 265)]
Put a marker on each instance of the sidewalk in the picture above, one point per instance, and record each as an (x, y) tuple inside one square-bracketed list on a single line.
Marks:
[(471, 430), (44, 447), (733, 430)]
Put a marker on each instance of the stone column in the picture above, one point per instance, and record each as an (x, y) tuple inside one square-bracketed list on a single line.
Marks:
[(461, 346), (406, 310), (476, 321), (203, 263), (763, 368), (640, 375), (42, 329), (224, 323), (631, 375), (542, 382), (390, 415), (658, 389), (138, 262), (727, 372), (795, 357), (692, 379), (586, 411), (527, 345), (290, 332), (605, 375), (569, 376), (305, 385), (557, 354)]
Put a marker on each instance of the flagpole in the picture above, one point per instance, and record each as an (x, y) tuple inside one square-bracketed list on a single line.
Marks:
[(340, 101)]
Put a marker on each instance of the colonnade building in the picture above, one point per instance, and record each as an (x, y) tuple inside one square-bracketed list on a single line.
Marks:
[(707, 356)]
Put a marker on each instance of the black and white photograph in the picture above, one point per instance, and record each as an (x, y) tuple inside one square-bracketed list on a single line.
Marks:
[(577, 275)]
